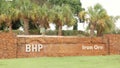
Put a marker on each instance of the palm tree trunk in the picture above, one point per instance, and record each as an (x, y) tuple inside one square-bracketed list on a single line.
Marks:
[(75, 26), (26, 26), (42, 30), (10, 28), (60, 30), (99, 33), (91, 30)]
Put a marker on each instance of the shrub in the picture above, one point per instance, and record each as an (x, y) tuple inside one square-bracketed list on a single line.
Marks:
[(34, 32), (55, 32)]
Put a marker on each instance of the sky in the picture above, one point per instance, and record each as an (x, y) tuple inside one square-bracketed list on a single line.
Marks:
[(112, 7)]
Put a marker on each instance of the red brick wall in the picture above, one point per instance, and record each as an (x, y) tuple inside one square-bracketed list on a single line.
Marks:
[(12, 46), (7, 45), (114, 43), (61, 46)]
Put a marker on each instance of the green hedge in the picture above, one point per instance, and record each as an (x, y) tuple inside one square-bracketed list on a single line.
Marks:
[(34, 32), (70, 32), (51, 32), (116, 31), (64, 32), (55, 32)]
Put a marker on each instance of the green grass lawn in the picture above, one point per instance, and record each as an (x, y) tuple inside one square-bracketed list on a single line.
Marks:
[(63, 62)]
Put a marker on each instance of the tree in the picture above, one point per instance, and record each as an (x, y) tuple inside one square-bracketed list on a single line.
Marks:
[(8, 14), (57, 14), (75, 6), (25, 8), (82, 15), (39, 2), (75, 25), (14, 13), (2, 12), (63, 16), (99, 20), (109, 26), (40, 16), (43, 18)]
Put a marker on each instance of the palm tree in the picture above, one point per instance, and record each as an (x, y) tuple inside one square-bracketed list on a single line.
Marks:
[(106, 25), (14, 15), (63, 16), (7, 13), (40, 15), (43, 18), (2, 12), (82, 15), (99, 20), (39, 2), (25, 7)]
